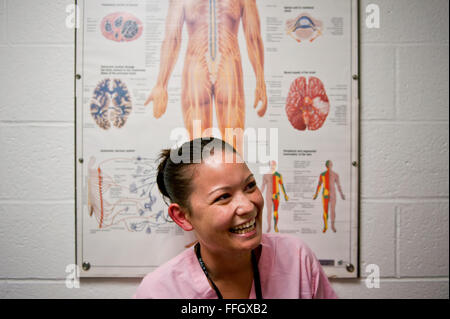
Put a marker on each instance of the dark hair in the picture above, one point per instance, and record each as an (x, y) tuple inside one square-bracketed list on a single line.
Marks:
[(174, 178)]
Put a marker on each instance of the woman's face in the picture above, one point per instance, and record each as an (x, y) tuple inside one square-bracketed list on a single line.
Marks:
[(226, 206)]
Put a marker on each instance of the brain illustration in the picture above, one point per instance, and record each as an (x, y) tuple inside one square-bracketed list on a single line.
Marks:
[(121, 27), (103, 111), (307, 104)]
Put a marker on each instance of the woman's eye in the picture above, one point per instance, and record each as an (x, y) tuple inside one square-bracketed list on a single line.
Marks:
[(224, 196), (251, 185)]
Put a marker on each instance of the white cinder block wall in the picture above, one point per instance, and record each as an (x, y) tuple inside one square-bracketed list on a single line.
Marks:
[(404, 153)]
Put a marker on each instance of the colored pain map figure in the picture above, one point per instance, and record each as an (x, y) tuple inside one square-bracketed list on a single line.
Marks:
[(212, 66), (329, 179), (272, 181), (304, 27)]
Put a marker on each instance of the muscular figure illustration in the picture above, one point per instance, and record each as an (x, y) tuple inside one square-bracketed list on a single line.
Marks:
[(212, 66), (329, 179), (304, 27), (272, 181), (307, 104)]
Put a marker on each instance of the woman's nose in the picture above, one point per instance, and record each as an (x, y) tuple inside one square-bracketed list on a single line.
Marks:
[(244, 205)]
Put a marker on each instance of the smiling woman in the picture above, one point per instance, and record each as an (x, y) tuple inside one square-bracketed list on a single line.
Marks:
[(213, 193)]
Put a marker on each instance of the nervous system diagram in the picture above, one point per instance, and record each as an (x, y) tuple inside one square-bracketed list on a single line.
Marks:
[(121, 195)]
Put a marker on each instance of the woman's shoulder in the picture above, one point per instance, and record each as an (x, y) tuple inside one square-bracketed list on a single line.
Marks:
[(280, 241), (160, 283), (288, 250), (289, 259)]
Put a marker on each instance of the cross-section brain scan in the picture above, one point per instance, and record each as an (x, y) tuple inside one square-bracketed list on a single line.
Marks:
[(304, 27), (121, 27), (110, 103), (307, 104)]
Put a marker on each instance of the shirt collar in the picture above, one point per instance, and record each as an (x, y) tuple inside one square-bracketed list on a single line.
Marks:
[(201, 284)]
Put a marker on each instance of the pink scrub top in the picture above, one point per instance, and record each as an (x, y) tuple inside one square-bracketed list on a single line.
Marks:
[(287, 266)]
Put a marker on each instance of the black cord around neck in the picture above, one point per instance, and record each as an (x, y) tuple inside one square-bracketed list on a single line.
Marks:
[(256, 278)]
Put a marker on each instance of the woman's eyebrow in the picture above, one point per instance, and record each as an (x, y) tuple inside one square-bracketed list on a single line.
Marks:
[(228, 187)]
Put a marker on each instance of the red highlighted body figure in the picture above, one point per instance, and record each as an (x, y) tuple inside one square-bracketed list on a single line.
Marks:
[(329, 179), (272, 181)]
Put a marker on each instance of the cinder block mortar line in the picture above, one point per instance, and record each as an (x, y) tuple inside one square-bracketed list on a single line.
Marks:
[(397, 242), (374, 121), (93, 280), (404, 122), (394, 279), (396, 86), (6, 22), (32, 279), (405, 200), (71, 123), (405, 44), (40, 45), (61, 201), (129, 279), (36, 123)]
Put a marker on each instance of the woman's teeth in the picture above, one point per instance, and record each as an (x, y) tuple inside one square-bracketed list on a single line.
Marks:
[(245, 228)]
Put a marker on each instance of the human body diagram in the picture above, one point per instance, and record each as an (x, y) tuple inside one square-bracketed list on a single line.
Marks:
[(271, 183), (120, 194), (329, 179), (212, 71)]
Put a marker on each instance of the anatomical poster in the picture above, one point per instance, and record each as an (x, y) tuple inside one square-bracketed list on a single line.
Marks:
[(277, 79)]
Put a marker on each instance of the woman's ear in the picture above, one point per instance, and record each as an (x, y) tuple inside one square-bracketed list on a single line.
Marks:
[(180, 217)]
